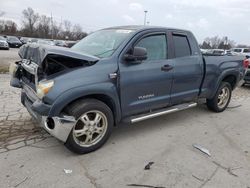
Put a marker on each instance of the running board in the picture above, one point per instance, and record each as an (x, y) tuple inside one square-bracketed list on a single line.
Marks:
[(169, 110)]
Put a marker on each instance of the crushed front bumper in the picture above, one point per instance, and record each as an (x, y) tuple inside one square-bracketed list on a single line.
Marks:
[(59, 127)]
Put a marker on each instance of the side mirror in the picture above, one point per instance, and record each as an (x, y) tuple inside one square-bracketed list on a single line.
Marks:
[(138, 54)]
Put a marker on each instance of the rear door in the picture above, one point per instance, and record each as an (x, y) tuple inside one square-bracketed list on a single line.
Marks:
[(188, 68), (145, 85)]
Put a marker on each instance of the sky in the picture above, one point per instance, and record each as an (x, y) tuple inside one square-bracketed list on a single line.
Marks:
[(205, 18)]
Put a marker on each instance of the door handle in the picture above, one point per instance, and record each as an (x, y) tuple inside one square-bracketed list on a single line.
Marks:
[(166, 68)]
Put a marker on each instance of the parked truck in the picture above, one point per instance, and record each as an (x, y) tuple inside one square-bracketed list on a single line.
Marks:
[(120, 74)]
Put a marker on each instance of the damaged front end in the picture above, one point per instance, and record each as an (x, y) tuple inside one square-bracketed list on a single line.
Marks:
[(34, 74)]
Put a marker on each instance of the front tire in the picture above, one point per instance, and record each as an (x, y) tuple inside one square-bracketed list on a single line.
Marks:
[(221, 99), (94, 123)]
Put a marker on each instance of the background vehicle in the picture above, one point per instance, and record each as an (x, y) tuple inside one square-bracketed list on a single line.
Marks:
[(3, 43), (128, 74), (70, 43), (215, 52), (25, 40), (245, 51), (247, 75), (14, 42), (46, 42), (60, 43), (229, 52)]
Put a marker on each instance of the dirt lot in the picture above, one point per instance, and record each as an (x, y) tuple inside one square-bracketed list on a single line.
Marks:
[(7, 57), (29, 157)]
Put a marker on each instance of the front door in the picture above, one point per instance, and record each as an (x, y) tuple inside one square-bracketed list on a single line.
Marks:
[(146, 85)]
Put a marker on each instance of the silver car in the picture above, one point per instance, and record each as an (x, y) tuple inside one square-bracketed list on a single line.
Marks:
[(3, 43)]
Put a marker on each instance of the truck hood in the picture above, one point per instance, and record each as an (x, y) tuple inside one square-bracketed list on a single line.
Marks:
[(37, 53)]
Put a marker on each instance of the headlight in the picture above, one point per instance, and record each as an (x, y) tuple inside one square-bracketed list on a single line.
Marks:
[(44, 87)]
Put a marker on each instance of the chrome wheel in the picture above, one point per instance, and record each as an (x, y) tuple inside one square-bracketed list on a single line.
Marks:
[(90, 128), (223, 97)]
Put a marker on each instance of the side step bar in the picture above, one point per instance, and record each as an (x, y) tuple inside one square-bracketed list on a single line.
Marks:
[(164, 111)]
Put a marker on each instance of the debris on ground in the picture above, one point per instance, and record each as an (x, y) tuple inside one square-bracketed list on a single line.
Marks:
[(67, 171), (140, 185), (21, 182), (204, 150), (237, 106), (228, 169), (200, 179), (147, 167)]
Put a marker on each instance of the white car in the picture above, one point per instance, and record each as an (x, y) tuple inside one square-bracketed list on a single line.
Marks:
[(245, 51)]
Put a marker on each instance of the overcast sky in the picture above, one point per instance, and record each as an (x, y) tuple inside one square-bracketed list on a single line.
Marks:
[(203, 17)]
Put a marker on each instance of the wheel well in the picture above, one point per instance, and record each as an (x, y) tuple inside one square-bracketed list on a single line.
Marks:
[(104, 98), (231, 79)]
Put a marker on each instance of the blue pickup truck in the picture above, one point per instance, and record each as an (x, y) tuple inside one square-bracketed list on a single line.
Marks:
[(120, 74)]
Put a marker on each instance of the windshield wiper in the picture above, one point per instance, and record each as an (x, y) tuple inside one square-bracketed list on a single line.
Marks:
[(104, 52)]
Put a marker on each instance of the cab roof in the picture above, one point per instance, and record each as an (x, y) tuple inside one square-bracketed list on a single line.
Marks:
[(143, 27)]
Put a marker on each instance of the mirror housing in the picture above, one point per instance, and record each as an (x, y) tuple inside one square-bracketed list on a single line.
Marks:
[(138, 54)]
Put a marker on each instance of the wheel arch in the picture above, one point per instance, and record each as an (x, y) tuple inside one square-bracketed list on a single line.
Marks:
[(230, 76), (231, 79), (105, 93), (101, 97)]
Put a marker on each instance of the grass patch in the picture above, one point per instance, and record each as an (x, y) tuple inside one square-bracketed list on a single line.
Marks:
[(4, 69)]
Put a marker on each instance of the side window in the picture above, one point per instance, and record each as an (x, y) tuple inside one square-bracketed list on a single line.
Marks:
[(181, 46), (156, 46)]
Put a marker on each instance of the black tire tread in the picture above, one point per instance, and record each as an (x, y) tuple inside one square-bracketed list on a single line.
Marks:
[(77, 109), (212, 103)]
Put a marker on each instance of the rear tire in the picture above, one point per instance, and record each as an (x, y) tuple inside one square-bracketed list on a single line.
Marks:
[(93, 126), (221, 99)]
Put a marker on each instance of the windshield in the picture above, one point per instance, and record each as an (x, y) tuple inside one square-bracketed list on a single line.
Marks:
[(102, 43), (13, 39)]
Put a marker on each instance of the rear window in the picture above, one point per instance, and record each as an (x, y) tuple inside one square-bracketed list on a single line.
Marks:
[(181, 46), (246, 50)]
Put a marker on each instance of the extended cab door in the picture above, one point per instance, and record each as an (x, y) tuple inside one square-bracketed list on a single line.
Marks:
[(146, 85), (188, 68)]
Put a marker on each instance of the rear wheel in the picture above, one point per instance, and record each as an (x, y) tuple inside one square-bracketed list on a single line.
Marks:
[(221, 99), (93, 126)]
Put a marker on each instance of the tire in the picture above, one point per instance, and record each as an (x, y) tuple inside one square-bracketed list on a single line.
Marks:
[(90, 131), (215, 104)]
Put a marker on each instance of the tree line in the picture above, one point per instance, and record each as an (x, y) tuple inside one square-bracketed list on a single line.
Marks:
[(220, 43), (41, 26)]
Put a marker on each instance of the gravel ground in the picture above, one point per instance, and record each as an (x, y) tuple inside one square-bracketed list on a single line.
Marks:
[(29, 157)]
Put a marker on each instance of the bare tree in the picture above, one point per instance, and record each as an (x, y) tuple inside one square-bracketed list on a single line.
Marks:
[(217, 42), (77, 32), (56, 30), (30, 18), (35, 25), (8, 27), (43, 28), (214, 42), (67, 29)]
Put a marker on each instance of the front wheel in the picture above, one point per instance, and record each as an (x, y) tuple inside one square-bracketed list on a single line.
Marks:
[(221, 99), (94, 123)]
